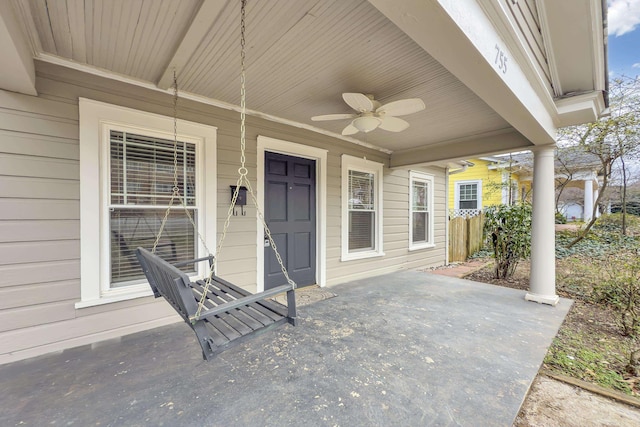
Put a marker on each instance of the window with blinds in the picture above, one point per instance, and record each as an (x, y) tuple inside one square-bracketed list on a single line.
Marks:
[(141, 183), (420, 212), (362, 210), (468, 196)]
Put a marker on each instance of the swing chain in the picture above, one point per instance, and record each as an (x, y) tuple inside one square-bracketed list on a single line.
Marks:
[(242, 170), (176, 190), (242, 179)]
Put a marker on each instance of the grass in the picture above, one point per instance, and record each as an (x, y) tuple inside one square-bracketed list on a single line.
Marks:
[(575, 353)]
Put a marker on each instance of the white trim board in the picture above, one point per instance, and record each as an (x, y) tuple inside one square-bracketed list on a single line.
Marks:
[(95, 117)]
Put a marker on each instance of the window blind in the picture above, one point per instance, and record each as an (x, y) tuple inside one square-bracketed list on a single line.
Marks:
[(420, 211), (361, 210), (142, 175)]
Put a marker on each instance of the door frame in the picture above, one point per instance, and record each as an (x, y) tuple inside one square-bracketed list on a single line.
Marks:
[(288, 148)]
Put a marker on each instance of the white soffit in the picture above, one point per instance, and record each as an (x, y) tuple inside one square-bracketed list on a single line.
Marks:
[(574, 38)]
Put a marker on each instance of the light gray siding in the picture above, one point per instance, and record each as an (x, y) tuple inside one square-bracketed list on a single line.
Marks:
[(40, 212)]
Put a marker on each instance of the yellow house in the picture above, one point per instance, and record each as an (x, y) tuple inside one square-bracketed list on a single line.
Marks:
[(486, 181)]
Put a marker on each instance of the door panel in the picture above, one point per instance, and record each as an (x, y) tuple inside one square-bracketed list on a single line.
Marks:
[(290, 212)]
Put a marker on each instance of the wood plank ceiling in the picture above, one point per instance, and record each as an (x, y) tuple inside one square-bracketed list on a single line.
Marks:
[(301, 56)]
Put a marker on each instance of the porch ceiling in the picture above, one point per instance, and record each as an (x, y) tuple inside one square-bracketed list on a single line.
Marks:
[(301, 56)]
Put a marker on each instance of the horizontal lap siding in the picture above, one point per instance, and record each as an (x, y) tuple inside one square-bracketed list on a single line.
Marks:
[(40, 212), (395, 232), (40, 232)]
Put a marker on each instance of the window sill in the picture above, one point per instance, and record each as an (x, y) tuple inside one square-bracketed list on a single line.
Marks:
[(422, 246), (360, 255)]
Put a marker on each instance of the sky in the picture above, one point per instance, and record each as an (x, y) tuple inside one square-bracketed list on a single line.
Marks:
[(624, 37)]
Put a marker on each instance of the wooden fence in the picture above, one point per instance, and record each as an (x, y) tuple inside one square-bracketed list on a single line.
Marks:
[(465, 237)]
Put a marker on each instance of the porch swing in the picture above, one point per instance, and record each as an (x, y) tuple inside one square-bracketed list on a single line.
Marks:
[(221, 314)]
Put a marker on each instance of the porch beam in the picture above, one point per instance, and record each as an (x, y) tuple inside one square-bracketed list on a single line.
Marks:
[(204, 19), (469, 39), (461, 149), (543, 239), (17, 70)]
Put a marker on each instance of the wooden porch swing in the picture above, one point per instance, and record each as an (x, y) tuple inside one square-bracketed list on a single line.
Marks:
[(221, 314)]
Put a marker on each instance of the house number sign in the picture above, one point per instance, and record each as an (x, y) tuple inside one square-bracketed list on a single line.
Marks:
[(501, 60)]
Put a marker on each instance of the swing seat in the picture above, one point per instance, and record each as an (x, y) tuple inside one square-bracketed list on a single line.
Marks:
[(230, 315)]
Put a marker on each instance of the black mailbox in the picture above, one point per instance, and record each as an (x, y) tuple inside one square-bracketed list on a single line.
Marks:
[(242, 197)]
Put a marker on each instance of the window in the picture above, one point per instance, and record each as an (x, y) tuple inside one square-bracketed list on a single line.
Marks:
[(127, 174), (362, 208), (420, 209), (468, 195), (141, 185)]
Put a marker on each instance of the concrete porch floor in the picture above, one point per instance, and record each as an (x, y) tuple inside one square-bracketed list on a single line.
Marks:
[(408, 348)]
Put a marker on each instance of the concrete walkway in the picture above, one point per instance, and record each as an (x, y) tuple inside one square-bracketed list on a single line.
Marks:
[(408, 348)]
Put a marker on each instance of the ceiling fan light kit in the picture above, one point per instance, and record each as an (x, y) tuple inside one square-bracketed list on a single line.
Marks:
[(366, 123), (372, 115)]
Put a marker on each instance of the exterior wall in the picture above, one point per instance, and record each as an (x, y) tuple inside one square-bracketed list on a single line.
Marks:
[(491, 183), (40, 213)]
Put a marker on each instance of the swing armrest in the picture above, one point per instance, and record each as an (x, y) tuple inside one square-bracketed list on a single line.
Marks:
[(209, 258)]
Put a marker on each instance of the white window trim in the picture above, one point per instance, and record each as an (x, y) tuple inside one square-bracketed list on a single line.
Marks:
[(429, 179), (457, 192), (361, 165), (96, 118), (273, 145)]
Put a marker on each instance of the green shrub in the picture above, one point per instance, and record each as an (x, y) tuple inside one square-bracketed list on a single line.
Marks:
[(560, 219), (508, 229)]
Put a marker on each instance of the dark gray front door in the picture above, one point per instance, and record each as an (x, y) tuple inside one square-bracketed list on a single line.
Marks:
[(290, 212)]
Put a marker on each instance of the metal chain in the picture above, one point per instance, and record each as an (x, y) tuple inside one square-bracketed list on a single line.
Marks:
[(242, 178), (175, 192)]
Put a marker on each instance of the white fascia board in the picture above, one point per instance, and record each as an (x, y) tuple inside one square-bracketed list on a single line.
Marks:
[(17, 70), (584, 108), (471, 39)]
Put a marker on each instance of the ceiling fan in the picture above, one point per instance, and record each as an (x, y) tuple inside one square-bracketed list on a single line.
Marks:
[(372, 115)]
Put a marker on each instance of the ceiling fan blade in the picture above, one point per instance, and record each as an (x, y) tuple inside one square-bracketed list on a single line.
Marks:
[(402, 107), (333, 117), (393, 124), (358, 101), (350, 130)]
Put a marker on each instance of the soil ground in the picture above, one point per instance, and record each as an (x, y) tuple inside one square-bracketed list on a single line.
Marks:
[(551, 402)]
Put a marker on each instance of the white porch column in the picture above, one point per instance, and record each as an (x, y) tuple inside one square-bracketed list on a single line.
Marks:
[(543, 252), (588, 201), (596, 192)]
